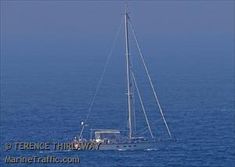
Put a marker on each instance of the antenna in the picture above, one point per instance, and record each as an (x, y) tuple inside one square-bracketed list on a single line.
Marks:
[(126, 6)]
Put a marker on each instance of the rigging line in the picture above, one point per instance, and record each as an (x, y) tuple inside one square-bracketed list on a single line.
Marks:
[(101, 77), (142, 131), (150, 80), (134, 117), (133, 100), (142, 105)]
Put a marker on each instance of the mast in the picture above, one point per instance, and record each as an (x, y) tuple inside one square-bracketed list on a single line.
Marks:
[(129, 81)]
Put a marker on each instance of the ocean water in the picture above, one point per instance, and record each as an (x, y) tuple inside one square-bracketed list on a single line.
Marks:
[(46, 90)]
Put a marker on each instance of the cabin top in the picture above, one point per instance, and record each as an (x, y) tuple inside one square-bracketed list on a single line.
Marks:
[(106, 134), (111, 131)]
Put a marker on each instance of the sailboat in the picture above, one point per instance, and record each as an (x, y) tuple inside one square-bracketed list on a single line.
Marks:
[(113, 139)]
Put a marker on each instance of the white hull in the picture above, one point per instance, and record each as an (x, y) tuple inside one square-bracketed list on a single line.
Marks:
[(129, 146)]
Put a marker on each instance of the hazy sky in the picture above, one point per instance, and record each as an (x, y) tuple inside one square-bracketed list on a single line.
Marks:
[(40, 32), (85, 19)]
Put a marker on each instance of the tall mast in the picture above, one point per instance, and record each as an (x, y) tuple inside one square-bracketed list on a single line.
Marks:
[(128, 71)]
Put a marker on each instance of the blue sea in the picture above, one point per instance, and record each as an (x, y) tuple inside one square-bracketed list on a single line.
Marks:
[(47, 85)]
